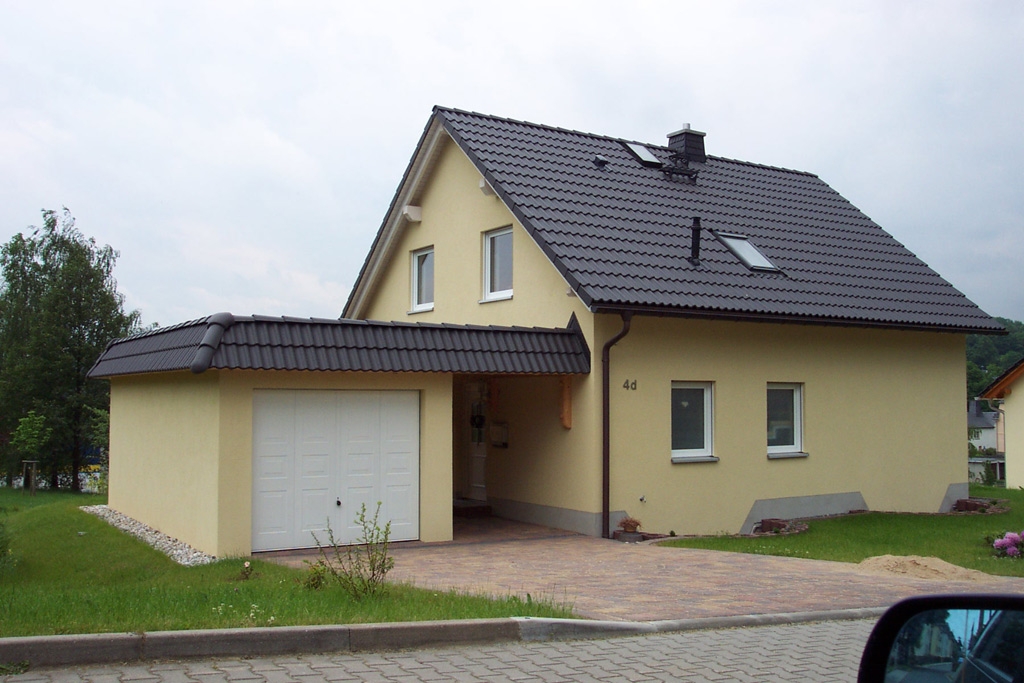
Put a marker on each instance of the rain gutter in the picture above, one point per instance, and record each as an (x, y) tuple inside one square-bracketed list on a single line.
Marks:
[(606, 447)]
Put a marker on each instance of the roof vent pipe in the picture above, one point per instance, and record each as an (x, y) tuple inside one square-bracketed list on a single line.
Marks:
[(695, 242), (688, 143)]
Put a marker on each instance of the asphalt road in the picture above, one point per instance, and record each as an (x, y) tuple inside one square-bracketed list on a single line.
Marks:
[(820, 651)]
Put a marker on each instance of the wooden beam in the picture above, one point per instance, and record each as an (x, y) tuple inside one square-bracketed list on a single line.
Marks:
[(565, 411)]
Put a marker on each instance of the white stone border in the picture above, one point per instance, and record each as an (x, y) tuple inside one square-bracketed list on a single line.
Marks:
[(180, 552)]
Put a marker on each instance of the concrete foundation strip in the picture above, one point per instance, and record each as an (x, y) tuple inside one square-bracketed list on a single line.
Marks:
[(106, 648)]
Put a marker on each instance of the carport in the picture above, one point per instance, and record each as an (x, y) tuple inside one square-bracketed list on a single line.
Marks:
[(237, 434)]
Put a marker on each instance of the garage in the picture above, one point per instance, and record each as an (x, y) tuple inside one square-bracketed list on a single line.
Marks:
[(318, 456), (276, 427)]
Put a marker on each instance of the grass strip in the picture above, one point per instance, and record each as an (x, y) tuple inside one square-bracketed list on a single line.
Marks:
[(74, 573), (957, 539)]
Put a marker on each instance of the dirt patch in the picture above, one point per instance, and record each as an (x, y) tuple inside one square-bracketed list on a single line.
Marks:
[(919, 567)]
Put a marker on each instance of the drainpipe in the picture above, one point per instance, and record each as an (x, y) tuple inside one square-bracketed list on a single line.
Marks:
[(606, 447)]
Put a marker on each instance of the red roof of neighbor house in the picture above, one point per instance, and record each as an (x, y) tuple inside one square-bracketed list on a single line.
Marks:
[(1000, 387)]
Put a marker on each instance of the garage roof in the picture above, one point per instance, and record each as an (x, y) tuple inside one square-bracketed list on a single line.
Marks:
[(227, 342)]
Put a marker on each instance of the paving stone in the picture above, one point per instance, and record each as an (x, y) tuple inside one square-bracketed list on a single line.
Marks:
[(828, 651)]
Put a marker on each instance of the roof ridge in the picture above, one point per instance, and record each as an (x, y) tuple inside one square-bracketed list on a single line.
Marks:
[(361, 322), (613, 138), (161, 330)]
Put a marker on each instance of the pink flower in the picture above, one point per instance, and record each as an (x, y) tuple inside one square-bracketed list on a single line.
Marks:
[(1012, 551), (1012, 537), (1001, 544)]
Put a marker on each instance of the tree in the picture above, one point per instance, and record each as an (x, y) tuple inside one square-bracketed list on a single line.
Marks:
[(59, 306), (988, 356)]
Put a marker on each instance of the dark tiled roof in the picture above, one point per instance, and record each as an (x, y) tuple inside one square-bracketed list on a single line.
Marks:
[(620, 234), (978, 418), (227, 342)]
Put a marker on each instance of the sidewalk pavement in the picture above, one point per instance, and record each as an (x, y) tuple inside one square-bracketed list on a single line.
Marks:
[(829, 652), (108, 648)]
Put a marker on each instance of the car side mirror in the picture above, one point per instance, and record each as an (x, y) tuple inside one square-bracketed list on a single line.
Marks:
[(948, 638)]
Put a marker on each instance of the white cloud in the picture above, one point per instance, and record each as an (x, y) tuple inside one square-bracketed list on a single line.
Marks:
[(241, 155)]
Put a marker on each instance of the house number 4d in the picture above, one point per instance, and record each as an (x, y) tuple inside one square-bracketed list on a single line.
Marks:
[(629, 385)]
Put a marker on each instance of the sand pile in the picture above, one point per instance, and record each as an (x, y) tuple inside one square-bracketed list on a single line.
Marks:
[(919, 567)]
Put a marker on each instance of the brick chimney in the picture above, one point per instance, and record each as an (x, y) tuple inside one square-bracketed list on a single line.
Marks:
[(689, 143)]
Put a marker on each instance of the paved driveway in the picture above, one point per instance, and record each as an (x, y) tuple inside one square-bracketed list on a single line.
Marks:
[(606, 579)]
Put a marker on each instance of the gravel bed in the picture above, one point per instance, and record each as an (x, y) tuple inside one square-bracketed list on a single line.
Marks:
[(180, 552)]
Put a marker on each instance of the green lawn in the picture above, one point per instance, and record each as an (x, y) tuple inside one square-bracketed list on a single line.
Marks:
[(76, 574), (958, 539)]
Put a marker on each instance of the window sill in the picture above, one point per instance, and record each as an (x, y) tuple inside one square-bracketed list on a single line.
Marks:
[(786, 456), (682, 459), (496, 297), (421, 309)]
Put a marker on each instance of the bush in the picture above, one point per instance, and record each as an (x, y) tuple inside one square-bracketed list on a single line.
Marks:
[(1009, 544), (359, 569)]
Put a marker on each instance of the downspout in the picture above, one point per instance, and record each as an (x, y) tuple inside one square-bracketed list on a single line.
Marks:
[(606, 446)]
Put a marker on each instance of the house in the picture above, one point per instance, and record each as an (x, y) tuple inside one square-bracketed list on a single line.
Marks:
[(1011, 405), (984, 428), (579, 327)]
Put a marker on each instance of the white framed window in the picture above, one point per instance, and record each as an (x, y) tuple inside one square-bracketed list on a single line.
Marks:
[(498, 264), (785, 418), (692, 421), (745, 251), (422, 280)]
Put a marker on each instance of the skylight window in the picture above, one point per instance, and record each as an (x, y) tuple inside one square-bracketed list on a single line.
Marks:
[(745, 251), (644, 155)]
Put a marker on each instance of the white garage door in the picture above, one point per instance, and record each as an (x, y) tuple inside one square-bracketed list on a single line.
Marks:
[(319, 455)]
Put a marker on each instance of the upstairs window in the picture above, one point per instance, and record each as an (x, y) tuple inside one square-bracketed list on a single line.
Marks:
[(745, 251), (785, 418), (498, 264), (423, 280)]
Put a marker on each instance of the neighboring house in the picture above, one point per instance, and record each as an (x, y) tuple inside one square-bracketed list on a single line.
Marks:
[(1008, 390), (983, 426), (717, 297)]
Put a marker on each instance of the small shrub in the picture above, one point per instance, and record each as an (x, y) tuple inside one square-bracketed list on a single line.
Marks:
[(359, 569), (317, 575), (1010, 544)]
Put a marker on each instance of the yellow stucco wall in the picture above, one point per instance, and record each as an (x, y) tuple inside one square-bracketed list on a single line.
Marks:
[(167, 429), (164, 469), (1013, 409), (455, 216), (545, 463), (883, 416)]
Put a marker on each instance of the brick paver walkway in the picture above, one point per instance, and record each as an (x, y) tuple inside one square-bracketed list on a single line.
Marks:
[(606, 579), (824, 651)]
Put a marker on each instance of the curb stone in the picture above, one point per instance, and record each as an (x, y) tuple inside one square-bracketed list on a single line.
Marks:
[(106, 648)]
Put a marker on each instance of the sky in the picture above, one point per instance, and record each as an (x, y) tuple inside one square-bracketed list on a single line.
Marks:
[(241, 156)]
